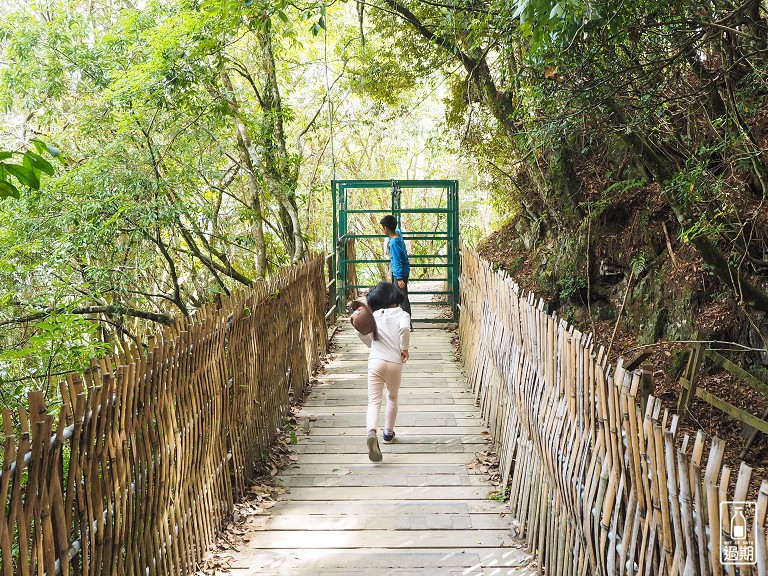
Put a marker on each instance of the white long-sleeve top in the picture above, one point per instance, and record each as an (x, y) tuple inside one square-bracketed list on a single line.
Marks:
[(394, 328)]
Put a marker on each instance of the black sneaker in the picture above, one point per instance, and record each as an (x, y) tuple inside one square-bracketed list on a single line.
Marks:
[(389, 436), (374, 453)]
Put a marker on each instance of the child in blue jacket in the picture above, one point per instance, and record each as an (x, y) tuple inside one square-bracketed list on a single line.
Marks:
[(401, 268)]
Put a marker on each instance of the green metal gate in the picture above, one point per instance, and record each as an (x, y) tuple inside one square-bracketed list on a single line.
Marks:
[(433, 253)]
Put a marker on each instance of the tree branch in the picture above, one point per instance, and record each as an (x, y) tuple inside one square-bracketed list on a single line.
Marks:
[(158, 317), (176, 298), (209, 263), (243, 71)]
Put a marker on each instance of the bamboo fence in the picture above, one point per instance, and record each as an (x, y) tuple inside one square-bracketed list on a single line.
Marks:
[(142, 463), (596, 487)]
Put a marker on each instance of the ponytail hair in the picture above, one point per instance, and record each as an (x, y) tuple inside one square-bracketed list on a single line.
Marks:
[(384, 295)]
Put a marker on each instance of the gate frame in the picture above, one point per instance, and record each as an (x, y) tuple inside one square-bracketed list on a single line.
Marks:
[(450, 235)]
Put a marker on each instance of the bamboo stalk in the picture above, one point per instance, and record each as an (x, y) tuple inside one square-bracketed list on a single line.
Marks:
[(633, 539), (674, 501), (713, 505), (16, 506), (686, 513), (662, 476), (9, 457), (699, 520), (761, 509), (596, 512), (626, 535), (722, 494), (613, 531)]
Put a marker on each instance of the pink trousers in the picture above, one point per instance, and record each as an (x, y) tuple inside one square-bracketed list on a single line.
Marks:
[(381, 375)]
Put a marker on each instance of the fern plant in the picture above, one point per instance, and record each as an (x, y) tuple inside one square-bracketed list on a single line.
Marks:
[(638, 264)]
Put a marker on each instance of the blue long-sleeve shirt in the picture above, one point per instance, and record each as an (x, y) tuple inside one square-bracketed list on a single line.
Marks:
[(399, 258)]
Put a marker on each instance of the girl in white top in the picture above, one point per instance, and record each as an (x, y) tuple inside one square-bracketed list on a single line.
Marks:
[(385, 362)]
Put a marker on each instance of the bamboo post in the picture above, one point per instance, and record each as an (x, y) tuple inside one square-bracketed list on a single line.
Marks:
[(686, 513), (761, 509), (722, 495), (689, 379)]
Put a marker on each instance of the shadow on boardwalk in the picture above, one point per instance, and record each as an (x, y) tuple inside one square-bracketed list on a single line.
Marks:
[(420, 511)]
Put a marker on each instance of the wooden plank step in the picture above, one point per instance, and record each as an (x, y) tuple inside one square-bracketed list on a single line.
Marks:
[(357, 442), (468, 560), (460, 411), (318, 428), (461, 458), (371, 522), (397, 493), (308, 479), (404, 441), (425, 509), (325, 469), (406, 539), (413, 419)]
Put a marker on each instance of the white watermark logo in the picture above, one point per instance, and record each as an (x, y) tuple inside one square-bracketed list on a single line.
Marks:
[(738, 542)]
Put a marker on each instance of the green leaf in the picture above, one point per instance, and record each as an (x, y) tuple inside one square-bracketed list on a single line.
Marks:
[(38, 163), (4, 155), (24, 175), (638, 264), (282, 15), (211, 6), (521, 7), (39, 145), (592, 14), (7, 189), (556, 11)]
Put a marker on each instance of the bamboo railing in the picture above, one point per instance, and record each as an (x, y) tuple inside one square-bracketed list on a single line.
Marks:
[(148, 452), (595, 486)]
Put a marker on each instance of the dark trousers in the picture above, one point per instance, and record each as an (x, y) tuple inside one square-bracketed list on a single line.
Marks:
[(405, 304)]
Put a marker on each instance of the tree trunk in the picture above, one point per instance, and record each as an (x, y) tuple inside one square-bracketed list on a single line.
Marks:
[(297, 239), (243, 148), (280, 173)]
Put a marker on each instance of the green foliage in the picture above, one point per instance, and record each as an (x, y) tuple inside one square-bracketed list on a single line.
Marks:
[(638, 264), (153, 206), (608, 197), (570, 285), (498, 496), (290, 429), (702, 192), (58, 344), (14, 176), (547, 21)]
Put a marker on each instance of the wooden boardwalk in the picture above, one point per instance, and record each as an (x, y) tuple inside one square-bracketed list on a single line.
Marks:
[(422, 510)]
